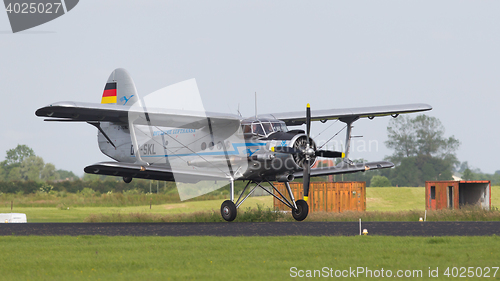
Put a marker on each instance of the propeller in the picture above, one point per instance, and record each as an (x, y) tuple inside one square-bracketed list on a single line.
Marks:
[(285, 149), (330, 154), (308, 153), (306, 174)]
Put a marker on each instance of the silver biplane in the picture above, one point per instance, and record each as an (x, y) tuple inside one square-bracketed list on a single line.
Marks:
[(149, 139)]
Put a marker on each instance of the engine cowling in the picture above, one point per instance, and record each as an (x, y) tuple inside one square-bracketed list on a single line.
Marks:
[(300, 143)]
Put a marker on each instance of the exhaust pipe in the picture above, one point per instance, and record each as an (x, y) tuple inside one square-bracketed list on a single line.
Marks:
[(285, 178)]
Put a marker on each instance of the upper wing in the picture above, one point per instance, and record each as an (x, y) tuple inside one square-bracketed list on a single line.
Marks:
[(92, 112), (299, 117), (344, 168)]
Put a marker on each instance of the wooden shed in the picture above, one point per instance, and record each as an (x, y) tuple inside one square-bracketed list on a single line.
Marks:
[(328, 196), (454, 194)]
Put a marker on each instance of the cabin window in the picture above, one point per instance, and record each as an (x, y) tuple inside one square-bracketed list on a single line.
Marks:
[(203, 146), (247, 129), (257, 129)]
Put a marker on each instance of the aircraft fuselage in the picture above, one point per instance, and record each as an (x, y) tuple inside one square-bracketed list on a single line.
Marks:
[(245, 155)]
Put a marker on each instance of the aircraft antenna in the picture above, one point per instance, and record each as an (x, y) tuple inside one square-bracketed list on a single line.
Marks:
[(255, 105)]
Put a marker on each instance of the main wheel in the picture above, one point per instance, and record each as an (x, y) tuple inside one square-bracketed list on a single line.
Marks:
[(127, 179), (228, 210), (302, 210)]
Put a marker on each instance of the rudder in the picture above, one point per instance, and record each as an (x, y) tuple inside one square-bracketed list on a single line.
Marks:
[(119, 89)]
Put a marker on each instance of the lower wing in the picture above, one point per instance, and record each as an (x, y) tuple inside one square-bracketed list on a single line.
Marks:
[(151, 172), (344, 168)]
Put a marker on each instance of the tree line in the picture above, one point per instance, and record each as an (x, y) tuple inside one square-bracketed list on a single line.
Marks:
[(23, 171), (108, 185), (21, 164)]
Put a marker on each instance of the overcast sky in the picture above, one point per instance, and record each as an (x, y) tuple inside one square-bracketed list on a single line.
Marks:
[(330, 54)]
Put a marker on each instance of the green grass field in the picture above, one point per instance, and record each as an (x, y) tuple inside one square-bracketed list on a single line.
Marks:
[(395, 198), (238, 258), (391, 199)]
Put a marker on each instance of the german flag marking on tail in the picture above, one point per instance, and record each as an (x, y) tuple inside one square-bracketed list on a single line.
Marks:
[(109, 94)]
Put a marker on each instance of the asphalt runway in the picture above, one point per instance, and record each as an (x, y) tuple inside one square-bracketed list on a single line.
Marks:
[(254, 229)]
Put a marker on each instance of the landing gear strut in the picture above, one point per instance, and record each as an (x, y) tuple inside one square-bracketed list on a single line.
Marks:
[(299, 208)]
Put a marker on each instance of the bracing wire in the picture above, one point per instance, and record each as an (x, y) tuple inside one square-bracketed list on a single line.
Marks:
[(332, 137)]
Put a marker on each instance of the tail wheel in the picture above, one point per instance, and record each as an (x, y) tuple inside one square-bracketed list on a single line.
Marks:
[(127, 179), (302, 210), (228, 210)]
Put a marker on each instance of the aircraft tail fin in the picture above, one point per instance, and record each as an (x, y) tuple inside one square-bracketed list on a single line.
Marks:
[(119, 89)]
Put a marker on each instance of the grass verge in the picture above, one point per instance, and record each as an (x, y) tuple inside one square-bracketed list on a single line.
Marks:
[(63, 200), (467, 213), (79, 214), (263, 214), (258, 214)]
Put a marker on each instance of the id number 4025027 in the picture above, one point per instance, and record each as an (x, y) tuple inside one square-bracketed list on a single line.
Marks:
[(471, 271), (33, 8)]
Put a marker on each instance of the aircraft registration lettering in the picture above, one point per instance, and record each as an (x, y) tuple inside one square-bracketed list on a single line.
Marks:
[(146, 149)]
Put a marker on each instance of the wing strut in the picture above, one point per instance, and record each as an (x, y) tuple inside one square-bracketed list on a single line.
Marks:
[(348, 121)]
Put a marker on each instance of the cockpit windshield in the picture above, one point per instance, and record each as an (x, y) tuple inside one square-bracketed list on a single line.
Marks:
[(280, 127), (264, 128), (268, 128)]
